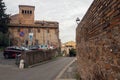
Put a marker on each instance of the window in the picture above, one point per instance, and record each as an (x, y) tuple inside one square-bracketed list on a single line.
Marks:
[(48, 31), (27, 12), (38, 30), (30, 12), (29, 30), (22, 11)]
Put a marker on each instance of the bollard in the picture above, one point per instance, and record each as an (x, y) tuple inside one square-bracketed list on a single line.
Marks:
[(21, 66)]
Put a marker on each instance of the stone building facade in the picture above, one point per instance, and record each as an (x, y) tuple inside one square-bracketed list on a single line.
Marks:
[(24, 30), (98, 41)]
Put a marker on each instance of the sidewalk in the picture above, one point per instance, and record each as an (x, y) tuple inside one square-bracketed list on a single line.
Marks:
[(69, 72)]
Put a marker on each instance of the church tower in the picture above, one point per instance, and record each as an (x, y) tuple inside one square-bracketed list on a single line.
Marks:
[(26, 14)]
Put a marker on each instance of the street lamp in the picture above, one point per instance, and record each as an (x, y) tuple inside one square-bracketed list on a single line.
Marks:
[(77, 20)]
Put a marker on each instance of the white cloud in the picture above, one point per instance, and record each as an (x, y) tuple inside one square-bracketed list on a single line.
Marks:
[(63, 11)]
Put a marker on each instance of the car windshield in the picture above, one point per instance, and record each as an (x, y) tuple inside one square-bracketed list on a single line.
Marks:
[(24, 48), (13, 48), (16, 48)]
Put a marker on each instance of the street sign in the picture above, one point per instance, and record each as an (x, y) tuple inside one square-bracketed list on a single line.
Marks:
[(22, 33), (30, 36)]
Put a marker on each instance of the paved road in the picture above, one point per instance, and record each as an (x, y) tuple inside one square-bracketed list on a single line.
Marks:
[(6, 62), (46, 71)]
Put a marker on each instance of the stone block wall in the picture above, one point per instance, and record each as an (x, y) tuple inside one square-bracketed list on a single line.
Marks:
[(98, 41), (37, 56)]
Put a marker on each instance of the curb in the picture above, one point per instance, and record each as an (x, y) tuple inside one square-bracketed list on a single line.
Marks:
[(60, 74), (44, 62), (67, 79)]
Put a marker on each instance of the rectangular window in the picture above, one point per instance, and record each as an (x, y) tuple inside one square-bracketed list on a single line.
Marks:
[(38, 30), (30, 12), (29, 30), (48, 31), (22, 11), (27, 12)]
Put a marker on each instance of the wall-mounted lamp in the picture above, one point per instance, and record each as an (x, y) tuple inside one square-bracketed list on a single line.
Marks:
[(77, 20)]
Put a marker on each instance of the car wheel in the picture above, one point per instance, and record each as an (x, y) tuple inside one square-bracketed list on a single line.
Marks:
[(6, 56)]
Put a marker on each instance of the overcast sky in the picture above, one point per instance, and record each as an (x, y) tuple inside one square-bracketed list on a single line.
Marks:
[(63, 11)]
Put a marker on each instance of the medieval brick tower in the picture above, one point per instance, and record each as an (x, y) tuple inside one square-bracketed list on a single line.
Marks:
[(26, 14)]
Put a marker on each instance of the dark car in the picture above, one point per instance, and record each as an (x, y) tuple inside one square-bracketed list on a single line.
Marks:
[(12, 52)]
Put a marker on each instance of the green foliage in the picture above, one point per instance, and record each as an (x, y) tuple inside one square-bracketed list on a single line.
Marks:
[(4, 18), (1, 37), (72, 52), (4, 40)]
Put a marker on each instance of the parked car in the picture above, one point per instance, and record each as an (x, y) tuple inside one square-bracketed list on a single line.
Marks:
[(33, 47), (46, 47), (43, 46), (38, 47), (24, 48), (13, 51)]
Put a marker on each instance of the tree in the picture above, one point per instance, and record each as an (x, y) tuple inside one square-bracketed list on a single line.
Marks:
[(4, 20), (72, 52)]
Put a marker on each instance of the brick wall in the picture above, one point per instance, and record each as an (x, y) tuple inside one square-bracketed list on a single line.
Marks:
[(98, 41), (25, 17)]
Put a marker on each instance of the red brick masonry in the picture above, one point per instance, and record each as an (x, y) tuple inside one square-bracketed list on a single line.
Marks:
[(98, 41)]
